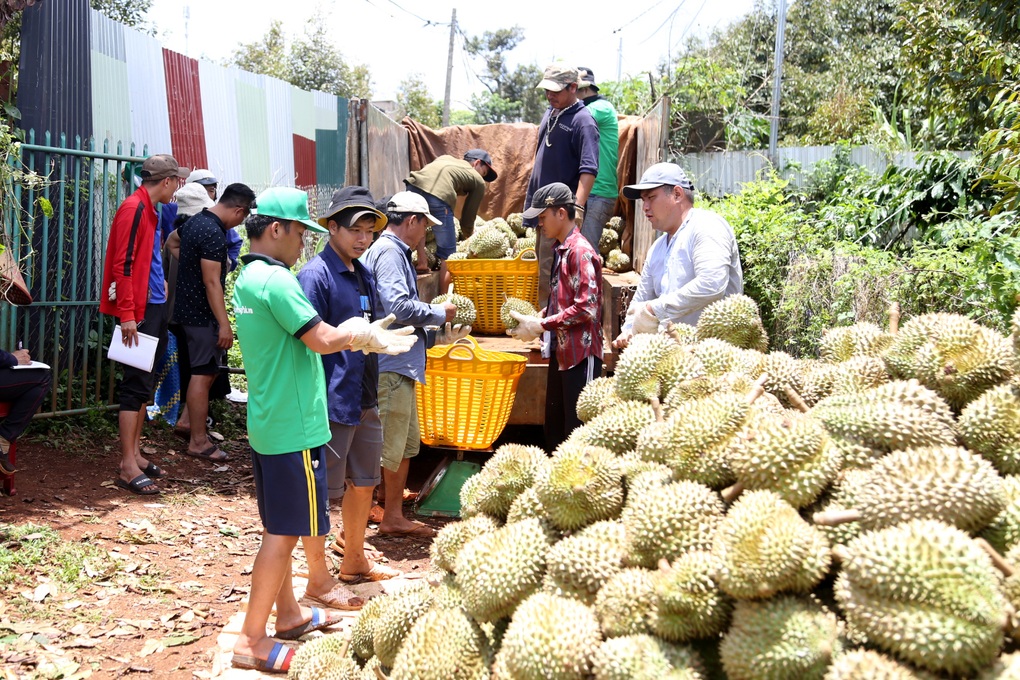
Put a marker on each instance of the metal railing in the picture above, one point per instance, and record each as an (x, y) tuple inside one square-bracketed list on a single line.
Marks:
[(61, 260)]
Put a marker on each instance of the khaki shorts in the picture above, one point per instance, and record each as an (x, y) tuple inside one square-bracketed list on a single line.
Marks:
[(398, 411)]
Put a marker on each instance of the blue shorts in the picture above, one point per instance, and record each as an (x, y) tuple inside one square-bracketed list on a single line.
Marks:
[(446, 233), (291, 492)]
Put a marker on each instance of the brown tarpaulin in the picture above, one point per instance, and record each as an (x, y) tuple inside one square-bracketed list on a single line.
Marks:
[(512, 147)]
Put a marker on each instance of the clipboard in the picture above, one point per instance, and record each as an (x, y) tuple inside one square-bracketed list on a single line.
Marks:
[(142, 356)]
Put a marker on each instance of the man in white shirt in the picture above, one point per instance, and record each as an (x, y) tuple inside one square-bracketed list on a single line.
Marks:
[(695, 264)]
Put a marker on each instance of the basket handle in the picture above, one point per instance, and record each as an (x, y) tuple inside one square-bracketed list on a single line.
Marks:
[(520, 255), (466, 345)]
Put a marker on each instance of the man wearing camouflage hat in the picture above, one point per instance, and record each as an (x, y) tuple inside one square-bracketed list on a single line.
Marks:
[(568, 152)]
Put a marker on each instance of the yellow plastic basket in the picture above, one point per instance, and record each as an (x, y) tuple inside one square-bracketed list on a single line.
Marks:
[(468, 395), (490, 282)]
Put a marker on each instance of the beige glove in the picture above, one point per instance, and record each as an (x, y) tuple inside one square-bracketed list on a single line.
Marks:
[(528, 327), (578, 216), (374, 337), (645, 321), (449, 334)]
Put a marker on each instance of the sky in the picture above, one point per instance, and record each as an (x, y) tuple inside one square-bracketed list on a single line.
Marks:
[(400, 38)]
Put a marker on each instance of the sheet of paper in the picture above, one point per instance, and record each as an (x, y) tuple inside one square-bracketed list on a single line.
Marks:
[(34, 364), (141, 356)]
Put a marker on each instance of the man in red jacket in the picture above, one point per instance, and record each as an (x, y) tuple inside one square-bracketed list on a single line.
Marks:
[(134, 291)]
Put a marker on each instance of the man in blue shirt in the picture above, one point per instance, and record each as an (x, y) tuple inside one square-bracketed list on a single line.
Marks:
[(339, 287), (389, 261)]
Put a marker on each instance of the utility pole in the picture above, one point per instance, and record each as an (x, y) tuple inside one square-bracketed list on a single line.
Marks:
[(777, 85), (187, 20), (449, 70), (619, 61)]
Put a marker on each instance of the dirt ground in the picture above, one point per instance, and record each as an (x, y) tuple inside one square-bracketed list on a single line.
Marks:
[(165, 572)]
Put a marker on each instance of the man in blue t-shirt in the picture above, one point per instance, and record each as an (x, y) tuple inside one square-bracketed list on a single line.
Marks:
[(568, 152)]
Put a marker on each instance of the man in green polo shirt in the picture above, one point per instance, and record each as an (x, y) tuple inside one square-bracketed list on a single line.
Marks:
[(281, 336)]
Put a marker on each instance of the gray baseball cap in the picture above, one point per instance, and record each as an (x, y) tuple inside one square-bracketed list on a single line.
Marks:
[(659, 175), (550, 196), (557, 76)]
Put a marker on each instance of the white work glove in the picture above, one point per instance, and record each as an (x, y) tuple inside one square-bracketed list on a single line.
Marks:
[(449, 334), (644, 320), (374, 337), (528, 327)]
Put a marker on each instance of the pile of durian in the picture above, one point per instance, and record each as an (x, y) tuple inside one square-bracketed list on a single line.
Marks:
[(729, 512)]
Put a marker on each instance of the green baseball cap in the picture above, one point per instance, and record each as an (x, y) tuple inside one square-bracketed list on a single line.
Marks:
[(287, 203)]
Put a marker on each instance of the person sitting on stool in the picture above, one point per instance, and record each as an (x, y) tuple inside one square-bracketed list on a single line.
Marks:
[(24, 391)]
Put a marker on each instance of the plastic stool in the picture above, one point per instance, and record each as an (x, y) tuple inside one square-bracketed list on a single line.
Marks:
[(12, 453)]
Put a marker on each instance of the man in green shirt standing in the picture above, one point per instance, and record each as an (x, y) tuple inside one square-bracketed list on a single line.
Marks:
[(602, 199), (281, 337)]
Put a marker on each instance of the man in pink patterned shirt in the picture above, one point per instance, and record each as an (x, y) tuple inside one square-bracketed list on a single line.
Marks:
[(572, 323)]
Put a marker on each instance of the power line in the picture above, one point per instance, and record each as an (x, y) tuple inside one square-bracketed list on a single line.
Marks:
[(428, 22), (668, 19), (638, 17)]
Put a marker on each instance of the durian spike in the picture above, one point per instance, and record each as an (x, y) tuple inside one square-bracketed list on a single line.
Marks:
[(758, 389), (833, 518), (731, 493), (894, 318), (795, 399), (656, 409), (998, 560)]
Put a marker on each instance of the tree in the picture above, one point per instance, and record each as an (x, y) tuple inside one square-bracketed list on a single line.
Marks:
[(311, 62), (130, 12), (511, 95), (414, 100)]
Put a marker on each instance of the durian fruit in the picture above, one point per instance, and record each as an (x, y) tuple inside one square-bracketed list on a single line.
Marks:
[(550, 638), (498, 570), (503, 227), (466, 312), (677, 368), (458, 255), (791, 455), (736, 320), (638, 374), (784, 637), (688, 604), (945, 483), (819, 381), (525, 244), (579, 565), (488, 244), (516, 222), (513, 304), (867, 664), (369, 670), (618, 261), (1003, 532), (615, 223), (644, 657), (859, 374), (766, 547), (526, 505), (624, 603), (840, 498), (608, 241), (618, 427), (664, 521), (926, 592), (990, 425), (363, 630), (596, 397), (859, 340), (530, 232), (512, 469), (324, 657), (719, 357), (784, 373), (467, 497), (1011, 586), (446, 594), (454, 536), (581, 484), (444, 644), (952, 355), (396, 619), (694, 441)]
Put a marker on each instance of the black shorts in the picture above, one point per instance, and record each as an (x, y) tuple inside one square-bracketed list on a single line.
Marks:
[(204, 357), (137, 386), (291, 492)]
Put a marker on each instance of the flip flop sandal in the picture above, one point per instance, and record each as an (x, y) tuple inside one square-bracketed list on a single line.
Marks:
[(207, 454), (278, 662), (371, 552), (339, 597), (137, 485), (318, 621), (377, 573), (7, 469), (419, 531), (154, 471)]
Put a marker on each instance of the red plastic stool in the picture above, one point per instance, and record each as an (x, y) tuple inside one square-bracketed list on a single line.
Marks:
[(12, 453)]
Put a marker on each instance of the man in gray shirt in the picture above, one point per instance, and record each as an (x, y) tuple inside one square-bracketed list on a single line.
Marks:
[(389, 261)]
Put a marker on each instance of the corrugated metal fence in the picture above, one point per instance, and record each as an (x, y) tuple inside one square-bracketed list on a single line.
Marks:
[(725, 172)]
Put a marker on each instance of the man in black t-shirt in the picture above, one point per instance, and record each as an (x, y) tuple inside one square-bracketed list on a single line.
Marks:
[(200, 306)]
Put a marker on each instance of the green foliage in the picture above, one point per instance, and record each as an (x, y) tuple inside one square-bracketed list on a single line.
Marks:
[(511, 95), (312, 62), (631, 97), (1000, 148), (130, 12), (414, 100), (26, 550)]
